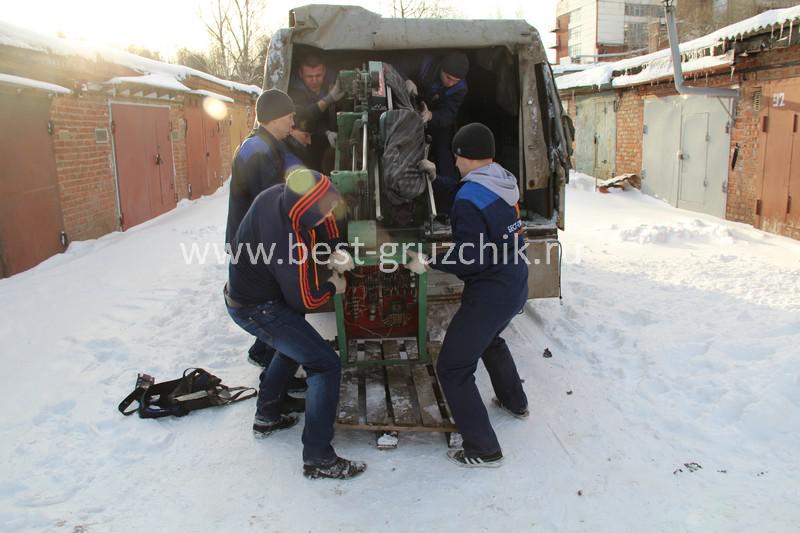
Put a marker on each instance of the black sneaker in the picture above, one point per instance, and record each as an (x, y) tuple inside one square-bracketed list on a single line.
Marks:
[(340, 469), (522, 414), (297, 384), (261, 359), (475, 461), (290, 404), (264, 428)]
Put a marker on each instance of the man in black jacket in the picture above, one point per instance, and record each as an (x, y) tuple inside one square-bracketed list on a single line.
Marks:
[(315, 88), (260, 162)]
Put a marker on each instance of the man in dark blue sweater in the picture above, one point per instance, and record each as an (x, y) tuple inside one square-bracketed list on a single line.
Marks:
[(271, 285), (442, 87), (487, 236), (260, 162)]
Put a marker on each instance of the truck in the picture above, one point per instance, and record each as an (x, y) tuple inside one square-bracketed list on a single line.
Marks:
[(382, 336)]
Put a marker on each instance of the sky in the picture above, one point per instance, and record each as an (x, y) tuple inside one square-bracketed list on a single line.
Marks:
[(167, 25)]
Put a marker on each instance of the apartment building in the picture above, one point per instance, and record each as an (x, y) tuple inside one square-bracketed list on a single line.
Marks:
[(588, 31)]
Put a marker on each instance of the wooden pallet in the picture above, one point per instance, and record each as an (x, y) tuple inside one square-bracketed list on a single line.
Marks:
[(402, 397)]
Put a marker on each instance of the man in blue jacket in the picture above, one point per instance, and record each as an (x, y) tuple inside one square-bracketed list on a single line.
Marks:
[(271, 285), (487, 236), (260, 162), (442, 87)]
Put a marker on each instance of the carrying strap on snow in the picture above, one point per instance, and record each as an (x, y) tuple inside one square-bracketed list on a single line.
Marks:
[(197, 389)]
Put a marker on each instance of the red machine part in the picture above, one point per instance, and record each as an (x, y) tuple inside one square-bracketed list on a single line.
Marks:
[(380, 305)]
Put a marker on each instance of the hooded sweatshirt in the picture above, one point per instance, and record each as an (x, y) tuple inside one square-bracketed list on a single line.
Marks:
[(485, 211), (279, 220)]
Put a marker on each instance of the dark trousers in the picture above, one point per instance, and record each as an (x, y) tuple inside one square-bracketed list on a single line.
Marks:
[(442, 155), (474, 334), (296, 342)]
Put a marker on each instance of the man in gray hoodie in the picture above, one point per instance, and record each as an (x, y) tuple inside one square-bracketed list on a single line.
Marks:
[(487, 233)]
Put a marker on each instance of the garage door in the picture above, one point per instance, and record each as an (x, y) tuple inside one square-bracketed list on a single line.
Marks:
[(204, 163), (240, 129), (143, 152), (685, 146), (596, 136), (30, 210), (779, 156)]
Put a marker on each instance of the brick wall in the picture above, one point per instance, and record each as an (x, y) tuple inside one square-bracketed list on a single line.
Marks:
[(85, 174), (225, 146), (630, 120), (178, 125)]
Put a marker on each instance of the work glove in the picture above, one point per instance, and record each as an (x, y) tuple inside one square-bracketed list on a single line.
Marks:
[(425, 113), (335, 94), (339, 283), (341, 261), (331, 136), (428, 168), (417, 262), (411, 88)]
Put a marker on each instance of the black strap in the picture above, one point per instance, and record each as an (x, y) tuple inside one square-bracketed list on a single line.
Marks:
[(196, 389), (134, 396)]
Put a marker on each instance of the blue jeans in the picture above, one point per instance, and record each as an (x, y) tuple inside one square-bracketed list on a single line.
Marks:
[(296, 342), (474, 334)]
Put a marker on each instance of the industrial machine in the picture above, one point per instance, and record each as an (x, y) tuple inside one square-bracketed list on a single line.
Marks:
[(389, 206)]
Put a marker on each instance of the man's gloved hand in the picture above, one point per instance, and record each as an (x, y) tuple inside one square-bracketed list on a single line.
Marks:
[(428, 168), (331, 136), (417, 262), (341, 261), (334, 95), (339, 282), (411, 88), (426, 113)]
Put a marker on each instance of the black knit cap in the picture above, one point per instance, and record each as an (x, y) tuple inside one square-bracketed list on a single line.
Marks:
[(273, 104), (302, 120), (456, 64), (474, 141)]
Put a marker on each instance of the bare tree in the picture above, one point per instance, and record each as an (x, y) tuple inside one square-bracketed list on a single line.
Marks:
[(216, 27), (414, 9), (144, 52), (197, 60), (238, 42)]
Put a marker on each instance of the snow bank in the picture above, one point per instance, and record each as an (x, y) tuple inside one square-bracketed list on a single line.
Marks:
[(683, 232)]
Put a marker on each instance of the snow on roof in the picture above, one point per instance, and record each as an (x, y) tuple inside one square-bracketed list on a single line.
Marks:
[(593, 77), (566, 68), (17, 37), (662, 63), (220, 97), (160, 81), (27, 83), (662, 68)]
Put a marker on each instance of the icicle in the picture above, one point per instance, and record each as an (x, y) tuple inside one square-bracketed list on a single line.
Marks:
[(781, 35), (791, 24)]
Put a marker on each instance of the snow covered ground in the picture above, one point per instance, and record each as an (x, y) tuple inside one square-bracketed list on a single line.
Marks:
[(675, 345)]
